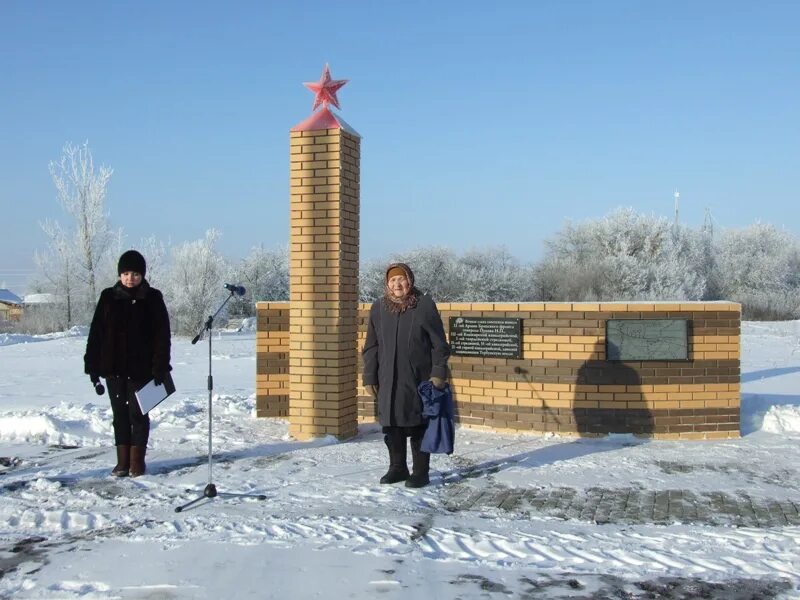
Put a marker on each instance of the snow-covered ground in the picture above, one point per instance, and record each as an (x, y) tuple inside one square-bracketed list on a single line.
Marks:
[(327, 529)]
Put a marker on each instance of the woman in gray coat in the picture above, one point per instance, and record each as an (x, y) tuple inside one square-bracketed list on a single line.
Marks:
[(405, 346)]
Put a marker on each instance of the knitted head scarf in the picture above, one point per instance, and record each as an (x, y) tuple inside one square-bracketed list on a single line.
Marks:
[(390, 301)]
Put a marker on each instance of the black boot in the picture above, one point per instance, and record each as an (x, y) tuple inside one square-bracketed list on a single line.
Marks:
[(421, 464), (137, 460), (123, 462), (396, 443)]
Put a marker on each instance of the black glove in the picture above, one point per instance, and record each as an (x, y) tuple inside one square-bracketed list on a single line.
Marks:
[(158, 378), (98, 387)]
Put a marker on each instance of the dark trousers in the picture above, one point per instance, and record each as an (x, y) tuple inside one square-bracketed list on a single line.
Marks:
[(415, 433), (131, 427)]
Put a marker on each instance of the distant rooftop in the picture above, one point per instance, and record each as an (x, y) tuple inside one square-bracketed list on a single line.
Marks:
[(9, 297)]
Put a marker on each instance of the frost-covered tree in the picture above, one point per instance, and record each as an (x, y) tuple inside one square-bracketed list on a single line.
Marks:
[(371, 279), (758, 267), (626, 256), (480, 275), (436, 272), (81, 191), (264, 275), (490, 275), (156, 254), (194, 285), (542, 282), (675, 272), (56, 266)]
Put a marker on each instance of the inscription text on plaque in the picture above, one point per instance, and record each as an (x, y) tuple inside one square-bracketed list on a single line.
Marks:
[(487, 337)]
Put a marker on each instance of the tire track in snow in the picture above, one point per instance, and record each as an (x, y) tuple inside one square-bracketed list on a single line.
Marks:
[(742, 552), (659, 551), (746, 552)]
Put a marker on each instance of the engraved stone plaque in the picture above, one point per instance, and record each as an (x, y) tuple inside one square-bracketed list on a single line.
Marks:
[(647, 339), (487, 337)]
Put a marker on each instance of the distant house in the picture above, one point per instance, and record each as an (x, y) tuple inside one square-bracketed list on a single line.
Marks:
[(43, 313), (32, 299), (10, 306), (36, 304)]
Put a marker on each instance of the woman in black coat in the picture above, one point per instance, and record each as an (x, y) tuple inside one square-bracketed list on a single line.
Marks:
[(405, 346), (128, 345)]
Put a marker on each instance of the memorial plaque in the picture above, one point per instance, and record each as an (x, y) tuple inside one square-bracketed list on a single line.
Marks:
[(487, 337), (647, 339)]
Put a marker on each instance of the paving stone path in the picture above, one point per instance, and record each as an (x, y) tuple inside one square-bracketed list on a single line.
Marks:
[(632, 506)]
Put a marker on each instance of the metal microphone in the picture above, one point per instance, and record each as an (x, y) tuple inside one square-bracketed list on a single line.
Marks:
[(235, 289)]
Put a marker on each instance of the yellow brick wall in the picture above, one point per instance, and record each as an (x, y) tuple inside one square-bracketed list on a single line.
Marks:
[(564, 344), (543, 391), (323, 254)]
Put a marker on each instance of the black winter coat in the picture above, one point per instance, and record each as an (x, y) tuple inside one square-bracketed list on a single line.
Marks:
[(130, 335), (401, 351)]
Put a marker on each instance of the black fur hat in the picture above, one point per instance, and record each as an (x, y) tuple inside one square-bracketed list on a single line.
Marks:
[(131, 261)]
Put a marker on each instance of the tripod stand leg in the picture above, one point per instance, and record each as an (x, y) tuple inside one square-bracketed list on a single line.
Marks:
[(189, 504), (231, 495)]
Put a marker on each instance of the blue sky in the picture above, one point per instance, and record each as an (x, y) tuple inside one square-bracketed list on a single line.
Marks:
[(482, 124)]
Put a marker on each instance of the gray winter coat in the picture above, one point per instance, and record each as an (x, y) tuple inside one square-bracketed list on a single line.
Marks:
[(401, 351)]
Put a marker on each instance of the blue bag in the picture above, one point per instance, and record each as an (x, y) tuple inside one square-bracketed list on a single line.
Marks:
[(438, 409)]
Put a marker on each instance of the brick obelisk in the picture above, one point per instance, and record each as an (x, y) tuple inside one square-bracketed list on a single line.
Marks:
[(323, 271)]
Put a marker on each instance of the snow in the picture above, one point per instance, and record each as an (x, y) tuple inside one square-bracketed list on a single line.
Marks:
[(9, 339), (782, 419), (328, 529)]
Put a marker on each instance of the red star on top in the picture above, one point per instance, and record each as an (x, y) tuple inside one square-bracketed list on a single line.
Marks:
[(325, 89)]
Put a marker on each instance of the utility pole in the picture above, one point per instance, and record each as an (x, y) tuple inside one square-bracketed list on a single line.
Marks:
[(708, 223)]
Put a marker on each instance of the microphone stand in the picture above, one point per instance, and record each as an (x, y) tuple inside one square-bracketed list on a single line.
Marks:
[(210, 490)]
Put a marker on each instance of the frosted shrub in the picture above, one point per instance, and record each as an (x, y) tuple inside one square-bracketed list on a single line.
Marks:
[(194, 286)]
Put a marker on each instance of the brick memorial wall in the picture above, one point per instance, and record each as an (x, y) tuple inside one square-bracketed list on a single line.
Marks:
[(563, 381)]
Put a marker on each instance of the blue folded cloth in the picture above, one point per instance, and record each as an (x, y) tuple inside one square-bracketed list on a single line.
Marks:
[(437, 407)]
